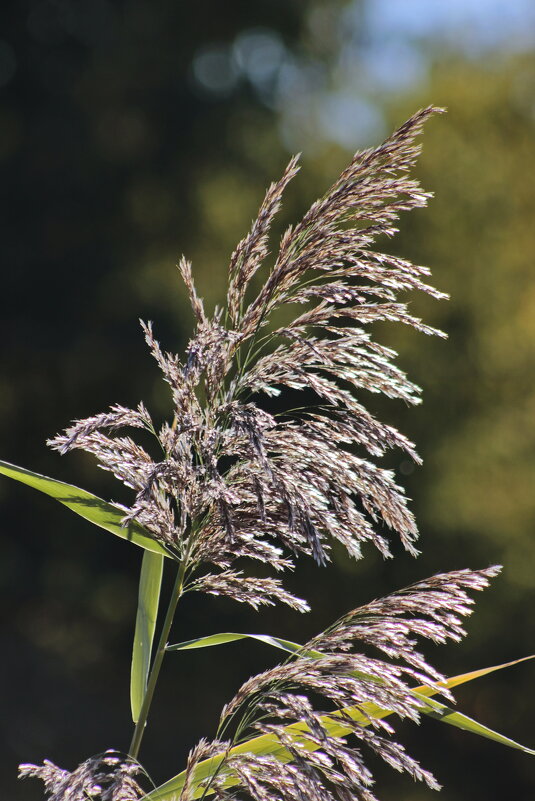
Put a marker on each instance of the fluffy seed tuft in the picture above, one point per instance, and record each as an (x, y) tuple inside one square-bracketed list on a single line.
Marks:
[(230, 479)]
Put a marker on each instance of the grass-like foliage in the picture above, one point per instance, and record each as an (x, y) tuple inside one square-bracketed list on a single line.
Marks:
[(232, 480)]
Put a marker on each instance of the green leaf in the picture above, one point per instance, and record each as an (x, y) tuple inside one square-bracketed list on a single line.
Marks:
[(229, 636), (463, 678), (150, 582), (440, 711), (268, 744), (86, 505)]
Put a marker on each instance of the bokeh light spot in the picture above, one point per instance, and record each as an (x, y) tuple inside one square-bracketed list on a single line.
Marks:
[(214, 70)]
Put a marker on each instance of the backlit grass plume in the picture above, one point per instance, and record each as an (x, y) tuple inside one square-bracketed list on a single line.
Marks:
[(233, 480), (323, 766), (229, 479)]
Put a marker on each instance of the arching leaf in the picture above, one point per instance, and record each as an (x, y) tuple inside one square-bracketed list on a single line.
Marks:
[(85, 504)]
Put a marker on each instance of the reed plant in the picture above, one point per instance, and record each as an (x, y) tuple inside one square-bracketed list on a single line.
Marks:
[(228, 481)]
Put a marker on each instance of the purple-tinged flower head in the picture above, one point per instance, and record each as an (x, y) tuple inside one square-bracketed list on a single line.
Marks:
[(232, 479)]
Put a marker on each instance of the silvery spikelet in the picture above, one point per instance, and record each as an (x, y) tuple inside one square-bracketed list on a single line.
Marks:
[(233, 480), (107, 777)]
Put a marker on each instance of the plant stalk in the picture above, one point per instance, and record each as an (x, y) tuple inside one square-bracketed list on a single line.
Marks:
[(139, 730)]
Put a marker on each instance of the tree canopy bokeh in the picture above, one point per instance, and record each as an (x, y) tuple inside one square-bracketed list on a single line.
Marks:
[(132, 132)]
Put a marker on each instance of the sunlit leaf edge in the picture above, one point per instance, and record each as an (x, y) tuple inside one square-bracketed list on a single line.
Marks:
[(230, 636), (84, 504)]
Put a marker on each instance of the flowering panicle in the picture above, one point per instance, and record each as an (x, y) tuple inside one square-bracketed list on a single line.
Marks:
[(233, 480), (108, 777), (323, 764)]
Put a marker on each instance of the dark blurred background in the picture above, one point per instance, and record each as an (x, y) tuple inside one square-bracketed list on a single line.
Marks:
[(137, 130)]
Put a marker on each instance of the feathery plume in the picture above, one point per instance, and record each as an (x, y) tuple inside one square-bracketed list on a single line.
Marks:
[(315, 762), (107, 777), (233, 480)]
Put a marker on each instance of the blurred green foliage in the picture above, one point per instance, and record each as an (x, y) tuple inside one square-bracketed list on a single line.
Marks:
[(480, 241), (116, 158)]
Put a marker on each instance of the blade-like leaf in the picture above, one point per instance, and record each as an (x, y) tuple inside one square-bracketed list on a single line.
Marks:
[(150, 582), (270, 745), (440, 711), (230, 636), (85, 504), (463, 678)]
